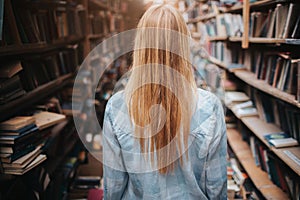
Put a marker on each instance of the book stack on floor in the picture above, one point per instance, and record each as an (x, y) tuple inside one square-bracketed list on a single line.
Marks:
[(10, 84), (22, 139)]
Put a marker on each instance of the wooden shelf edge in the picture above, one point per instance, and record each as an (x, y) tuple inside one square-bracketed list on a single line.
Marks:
[(260, 178), (33, 96), (217, 38), (260, 128), (202, 18), (250, 78), (42, 47), (217, 62)]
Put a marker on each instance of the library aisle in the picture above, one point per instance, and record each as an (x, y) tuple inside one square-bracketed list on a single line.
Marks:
[(245, 52)]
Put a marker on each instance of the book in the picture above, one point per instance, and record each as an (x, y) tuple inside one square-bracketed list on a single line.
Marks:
[(234, 97), (23, 161), (38, 160), (46, 119), (291, 20), (16, 139), (17, 132), (17, 123), (8, 158), (280, 139), (7, 70)]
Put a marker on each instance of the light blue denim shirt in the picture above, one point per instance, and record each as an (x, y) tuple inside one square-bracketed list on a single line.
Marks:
[(201, 176)]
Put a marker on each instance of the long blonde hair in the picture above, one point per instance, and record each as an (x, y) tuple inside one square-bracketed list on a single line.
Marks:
[(160, 93)]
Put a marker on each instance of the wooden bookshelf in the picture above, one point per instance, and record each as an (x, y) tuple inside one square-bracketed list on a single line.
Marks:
[(258, 176), (34, 96), (260, 128), (14, 50), (251, 79)]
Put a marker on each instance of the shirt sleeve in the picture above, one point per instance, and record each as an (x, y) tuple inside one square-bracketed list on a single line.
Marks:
[(216, 165), (114, 172)]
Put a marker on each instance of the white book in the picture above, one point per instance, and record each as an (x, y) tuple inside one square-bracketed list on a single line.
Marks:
[(285, 142)]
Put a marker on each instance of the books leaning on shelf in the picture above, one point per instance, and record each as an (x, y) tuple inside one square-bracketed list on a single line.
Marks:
[(280, 139)]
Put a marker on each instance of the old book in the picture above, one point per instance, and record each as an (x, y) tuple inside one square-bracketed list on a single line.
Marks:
[(47, 119), (38, 160), (280, 19), (24, 160), (280, 139), (293, 13), (17, 123), (7, 70)]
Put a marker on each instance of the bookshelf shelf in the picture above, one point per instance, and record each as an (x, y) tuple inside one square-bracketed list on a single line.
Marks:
[(34, 96), (96, 36), (202, 18), (257, 4), (217, 38), (94, 4), (265, 40), (251, 79), (14, 50), (260, 128), (217, 62), (259, 177)]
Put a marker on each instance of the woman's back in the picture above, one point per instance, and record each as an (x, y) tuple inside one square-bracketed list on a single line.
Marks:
[(128, 175)]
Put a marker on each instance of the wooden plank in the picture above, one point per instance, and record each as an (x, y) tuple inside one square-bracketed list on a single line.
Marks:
[(217, 62), (260, 128), (259, 177), (266, 40), (202, 18), (217, 38), (246, 14), (251, 79)]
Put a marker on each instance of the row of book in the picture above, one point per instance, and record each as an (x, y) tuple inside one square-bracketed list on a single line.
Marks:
[(278, 69), (16, 77), (269, 110), (281, 22), (276, 169), (223, 25), (239, 185), (104, 22), (275, 111), (50, 22), (22, 139)]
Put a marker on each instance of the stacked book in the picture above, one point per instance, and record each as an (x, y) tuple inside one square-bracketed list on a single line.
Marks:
[(22, 139), (10, 84), (240, 104)]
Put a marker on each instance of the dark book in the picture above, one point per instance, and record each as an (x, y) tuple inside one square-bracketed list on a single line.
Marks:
[(296, 31), (293, 13), (11, 84), (17, 139), (8, 69), (11, 96), (12, 157), (18, 131), (282, 11)]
